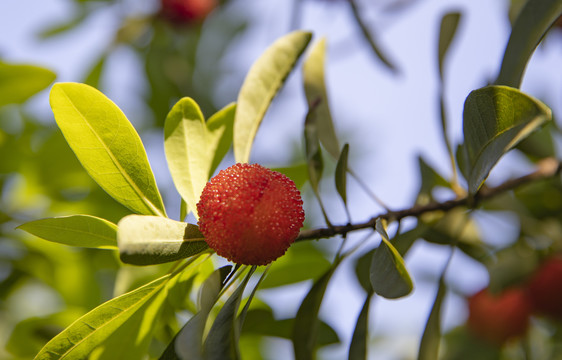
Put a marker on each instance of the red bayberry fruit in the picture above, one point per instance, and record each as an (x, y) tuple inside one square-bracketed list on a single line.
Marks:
[(186, 11), (545, 288), (497, 318), (249, 214)]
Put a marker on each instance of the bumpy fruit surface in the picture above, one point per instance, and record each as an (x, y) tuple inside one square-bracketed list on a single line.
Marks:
[(545, 288), (497, 318), (186, 11), (249, 214)]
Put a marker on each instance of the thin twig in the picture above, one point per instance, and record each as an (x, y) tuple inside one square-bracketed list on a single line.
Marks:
[(547, 169)]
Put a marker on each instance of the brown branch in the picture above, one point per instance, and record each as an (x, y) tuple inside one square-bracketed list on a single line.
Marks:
[(546, 169)]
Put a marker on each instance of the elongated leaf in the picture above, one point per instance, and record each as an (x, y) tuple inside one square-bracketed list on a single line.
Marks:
[(534, 20), (262, 83), (107, 145), (188, 343), (305, 330), (315, 91), (194, 148), (75, 230), (221, 342), (261, 322), (389, 276), (19, 82), (429, 345), (341, 173), (79, 339), (220, 128), (449, 24), (185, 135), (313, 151), (495, 119), (148, 240), (358, 346)]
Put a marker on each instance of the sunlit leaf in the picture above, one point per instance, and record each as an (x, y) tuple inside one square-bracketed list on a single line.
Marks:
[(19, 82), (148, 240), (262, 83), (495, 119), (317, 96), (221, 342), (429, 345), (534, 20), (305, 330), (194, 148), (107, 145), (389, 276), (359, 340), (75, 230), (88, 332), (449, 24)]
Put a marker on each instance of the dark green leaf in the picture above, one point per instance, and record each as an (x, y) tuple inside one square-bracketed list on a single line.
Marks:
[(358, 346), (534, 20), (429, 345), (148, 240), (341, 174), (188, 343), (20, 82), (107, 145), (495, 119), (221, 342), (389, 276), (75, 230), (305, 330), (303, 261), (429, 180), (260, 321), (312, 149), (94, 75), (315, 91), (262, 83), (449, 24)]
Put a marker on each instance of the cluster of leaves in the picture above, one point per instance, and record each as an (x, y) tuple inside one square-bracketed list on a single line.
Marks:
[(143, 318)]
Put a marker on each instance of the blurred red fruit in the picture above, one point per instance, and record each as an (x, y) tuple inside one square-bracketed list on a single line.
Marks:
[(249, 214), (497, 318), (545, 288), (186, 11)]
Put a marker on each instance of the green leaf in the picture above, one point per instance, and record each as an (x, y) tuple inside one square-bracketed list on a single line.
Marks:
[(261, 322), (193, 148), (303, 261), (107, 145), (495, 119), (149, 240), (221, 342), (188, 342), (75, 230), (358, 346), (94, 75), (449, 24), (262, 83), (298, 173), (341, 174), (88, 332), (315, 91), (389, 276), (429, 180), (313, 150), (19, 82), (534, 20), (429, 345), (305, 330)]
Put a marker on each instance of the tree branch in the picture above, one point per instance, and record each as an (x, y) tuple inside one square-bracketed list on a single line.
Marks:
[(547, 168)]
